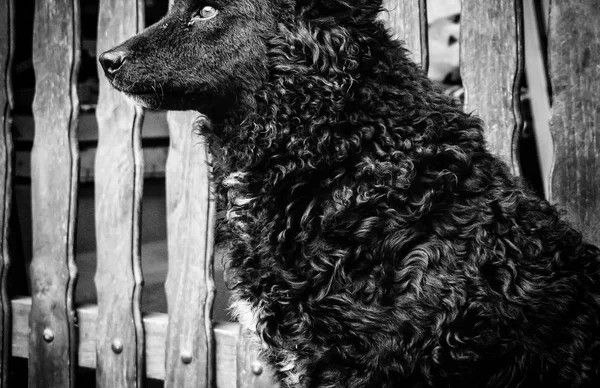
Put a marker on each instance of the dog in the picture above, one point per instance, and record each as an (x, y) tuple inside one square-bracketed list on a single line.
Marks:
[(375, 241)]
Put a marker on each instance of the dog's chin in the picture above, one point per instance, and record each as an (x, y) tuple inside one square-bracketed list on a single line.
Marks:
[(146, 100), (154, 101)]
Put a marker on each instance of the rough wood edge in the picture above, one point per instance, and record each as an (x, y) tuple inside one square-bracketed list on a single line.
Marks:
[(516, 90), (74, 146), (210, 275), (424, 35), (138, 155), (136, 247), (226, 337), (5, 340)]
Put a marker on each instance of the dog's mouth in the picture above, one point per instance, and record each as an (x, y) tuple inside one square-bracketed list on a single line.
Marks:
[(161, 100), (158, 97), (151, 99)]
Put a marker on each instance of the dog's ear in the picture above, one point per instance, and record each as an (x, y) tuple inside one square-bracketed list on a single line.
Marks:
[(355, 10)]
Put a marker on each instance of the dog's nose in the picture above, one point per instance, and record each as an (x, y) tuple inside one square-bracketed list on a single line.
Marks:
[(112, 61)]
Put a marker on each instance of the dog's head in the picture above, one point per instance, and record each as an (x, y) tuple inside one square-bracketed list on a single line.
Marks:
[(207, 54)]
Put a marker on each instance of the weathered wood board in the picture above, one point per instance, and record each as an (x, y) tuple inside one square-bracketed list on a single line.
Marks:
[(118, 195), (408, 20), (54, 163), (252, 371), (190, 286), (491, 68), (6, 151), (155, 324), (574, 51), (155, 126), (155, 161)]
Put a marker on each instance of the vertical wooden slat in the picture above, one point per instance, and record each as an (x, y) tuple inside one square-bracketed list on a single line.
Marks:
[(118, 190), (408, 20), (491, 68), (6, 149), (574, 41), (190, 285), (54, 164)]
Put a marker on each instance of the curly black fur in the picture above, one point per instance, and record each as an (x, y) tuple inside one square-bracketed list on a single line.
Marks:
[(376, 239)]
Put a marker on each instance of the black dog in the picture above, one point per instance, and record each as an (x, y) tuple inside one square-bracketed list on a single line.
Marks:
[(376, 242)]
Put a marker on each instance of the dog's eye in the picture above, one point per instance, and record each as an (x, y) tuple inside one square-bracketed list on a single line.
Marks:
[(206, 13)]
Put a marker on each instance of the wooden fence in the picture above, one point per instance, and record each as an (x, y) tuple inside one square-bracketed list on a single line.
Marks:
[(185, 348)]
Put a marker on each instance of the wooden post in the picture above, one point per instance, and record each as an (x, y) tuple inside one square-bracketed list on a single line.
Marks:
[(190, 285), (574, 51), (118, 188), (54, 164), (491, 68), (6, 150), (408, 20)]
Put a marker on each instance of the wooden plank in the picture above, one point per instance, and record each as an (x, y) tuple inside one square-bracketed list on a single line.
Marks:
[(252, 372), (537, 82), (574, 42), (54, 163), (6, 151), (118, 195), (491, 68), (226, 336), (408, 20), (155, 163), (226, 340), (190, 286), (155, 127)]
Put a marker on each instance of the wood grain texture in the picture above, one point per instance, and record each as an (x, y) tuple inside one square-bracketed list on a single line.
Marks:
[(491, 68), (155, 333), (190, 286), (54, 163), (252, 372), (118, 198), (574, 50), (155, 161), (408, 20), (155, 126), (6, 153)]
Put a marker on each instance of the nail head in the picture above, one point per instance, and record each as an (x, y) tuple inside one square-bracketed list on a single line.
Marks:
[(257, 368), (48, 335), (117, 346), (186, 358)]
